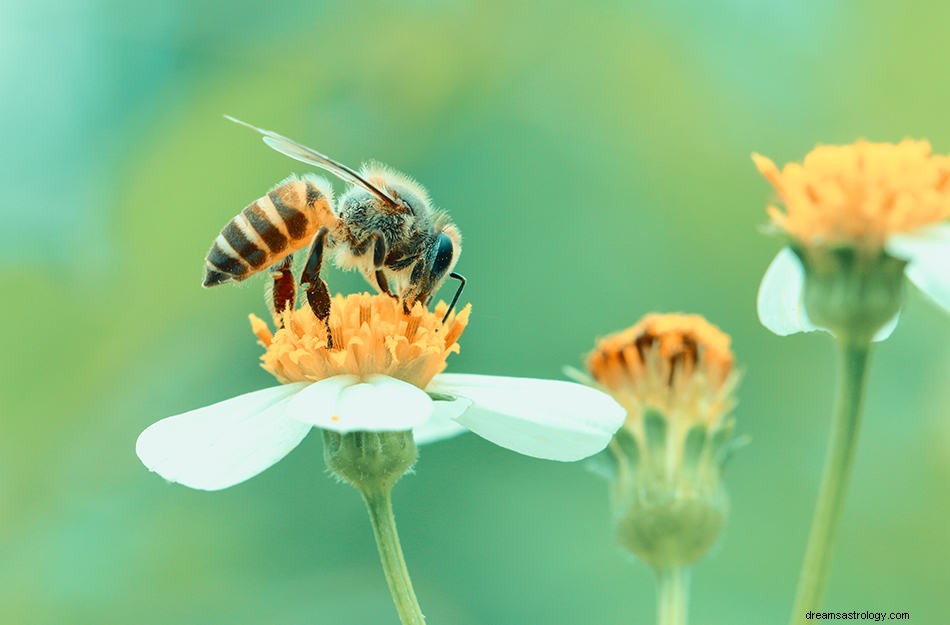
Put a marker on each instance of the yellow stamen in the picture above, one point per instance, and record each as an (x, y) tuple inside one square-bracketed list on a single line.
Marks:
[(680, 365), (371, 335), (859, 194)]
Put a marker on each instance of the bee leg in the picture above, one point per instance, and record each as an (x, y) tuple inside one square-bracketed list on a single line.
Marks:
[(383, 283), (418, 290), (318, 296), (379, 259), (283, 294)]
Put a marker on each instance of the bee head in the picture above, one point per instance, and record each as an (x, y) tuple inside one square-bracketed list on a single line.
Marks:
[(444, 253)]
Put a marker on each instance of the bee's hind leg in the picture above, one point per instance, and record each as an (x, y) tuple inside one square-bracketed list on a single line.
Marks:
[(318, 295), (283, 295)]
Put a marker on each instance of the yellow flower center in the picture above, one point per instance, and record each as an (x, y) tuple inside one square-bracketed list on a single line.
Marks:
[(859, 194), (680, 365), (371, 334)]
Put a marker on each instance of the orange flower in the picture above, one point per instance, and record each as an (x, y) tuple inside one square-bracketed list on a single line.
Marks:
[(886, 203), (860, 194), (680, 365), (371, 336)]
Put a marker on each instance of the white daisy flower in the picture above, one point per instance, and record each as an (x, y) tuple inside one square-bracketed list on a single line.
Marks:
[(859, 219), (382, 373), (877, 199)]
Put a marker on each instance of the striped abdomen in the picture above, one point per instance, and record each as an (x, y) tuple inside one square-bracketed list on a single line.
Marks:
[(281, 222)]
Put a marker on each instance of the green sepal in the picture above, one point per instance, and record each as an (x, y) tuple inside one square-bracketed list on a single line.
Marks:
[(654, 428), (441, 396), (730, 448), (627, 444), (369, 461), (722, 438), (693, 447), (852, 291), (605, 464)]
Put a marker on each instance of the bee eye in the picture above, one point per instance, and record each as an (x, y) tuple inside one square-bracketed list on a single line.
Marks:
[(444, 252)]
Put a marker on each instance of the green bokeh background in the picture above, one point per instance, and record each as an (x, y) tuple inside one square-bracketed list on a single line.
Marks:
[(596, 159)]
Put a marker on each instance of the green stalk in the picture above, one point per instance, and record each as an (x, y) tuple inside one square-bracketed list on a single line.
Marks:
[(672, 585), (379, 505), (852, 381)]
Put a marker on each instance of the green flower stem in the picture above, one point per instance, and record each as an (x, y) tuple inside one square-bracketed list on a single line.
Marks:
[(379, 505), (852, 381), (672, 585)]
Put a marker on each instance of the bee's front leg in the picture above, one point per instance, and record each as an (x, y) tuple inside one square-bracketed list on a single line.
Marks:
[(318, 295), (418, 289), (379, 258)]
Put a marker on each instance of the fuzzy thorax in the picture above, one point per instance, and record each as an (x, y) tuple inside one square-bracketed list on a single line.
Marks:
[(859, 194), (679, 365), (371, 334)]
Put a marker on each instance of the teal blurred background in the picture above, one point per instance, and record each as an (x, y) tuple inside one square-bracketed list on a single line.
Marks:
[(596, 159)]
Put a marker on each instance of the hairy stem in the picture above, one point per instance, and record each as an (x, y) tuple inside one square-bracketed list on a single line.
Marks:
[(379, 505)]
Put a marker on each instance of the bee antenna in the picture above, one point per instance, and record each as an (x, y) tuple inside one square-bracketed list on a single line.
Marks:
[(458, 293)]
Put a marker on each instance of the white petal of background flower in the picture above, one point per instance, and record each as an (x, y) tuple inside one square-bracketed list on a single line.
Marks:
[(928, 254), (780, 301), (442, 424), (887, 329), (226, 443), (542, 418), (378, 403)]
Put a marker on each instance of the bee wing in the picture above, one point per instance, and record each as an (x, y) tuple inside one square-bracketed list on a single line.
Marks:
[(302, 153)]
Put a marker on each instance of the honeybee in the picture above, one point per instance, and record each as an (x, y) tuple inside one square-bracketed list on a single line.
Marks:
[(385, 227)]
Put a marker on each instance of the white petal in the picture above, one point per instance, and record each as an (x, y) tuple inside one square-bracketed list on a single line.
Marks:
[(226, 443), (541, 418), (888, 329), (319, 401), (780, 301), (441, 423), (376, 404), (928, 254)]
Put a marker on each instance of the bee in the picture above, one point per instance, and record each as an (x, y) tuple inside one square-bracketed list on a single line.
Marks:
[(384, 226)]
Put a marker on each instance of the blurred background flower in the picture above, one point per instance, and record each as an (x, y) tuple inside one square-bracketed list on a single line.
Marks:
[(595, 158)]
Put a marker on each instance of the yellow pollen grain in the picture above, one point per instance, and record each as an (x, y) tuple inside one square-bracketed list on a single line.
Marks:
[(372, 334), (859, 194)]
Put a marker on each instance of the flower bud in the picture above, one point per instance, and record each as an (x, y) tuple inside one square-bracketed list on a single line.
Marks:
[(674, 374)]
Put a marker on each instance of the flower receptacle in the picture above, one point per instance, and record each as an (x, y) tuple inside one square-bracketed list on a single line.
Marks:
[(369, 461), (668, 500), (852, 291), (667, 529)]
